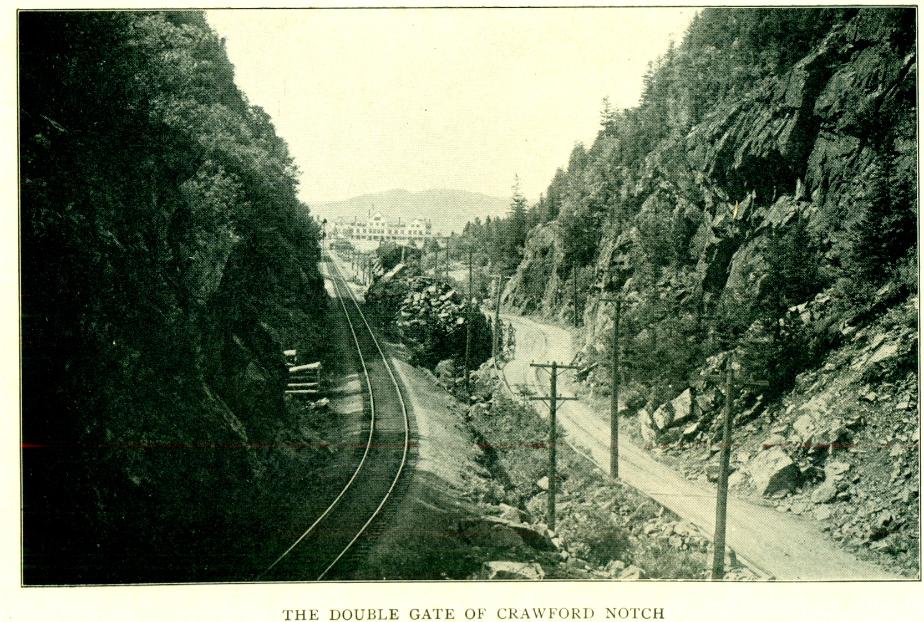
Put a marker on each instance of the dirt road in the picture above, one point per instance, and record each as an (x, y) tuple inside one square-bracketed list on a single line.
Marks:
[(781, 545)]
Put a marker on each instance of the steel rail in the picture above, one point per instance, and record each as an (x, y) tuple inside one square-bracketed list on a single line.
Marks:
[(404, 413), (362, 461)]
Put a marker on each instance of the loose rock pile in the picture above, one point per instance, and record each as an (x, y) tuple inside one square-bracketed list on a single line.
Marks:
[(842, 448), (430, 317), (604, 530), (427, 302)]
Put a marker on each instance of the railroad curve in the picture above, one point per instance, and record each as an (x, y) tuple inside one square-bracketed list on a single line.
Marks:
[(322, 548)]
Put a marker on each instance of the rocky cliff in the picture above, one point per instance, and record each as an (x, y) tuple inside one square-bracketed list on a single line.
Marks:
[(166, 263), (772, 218)]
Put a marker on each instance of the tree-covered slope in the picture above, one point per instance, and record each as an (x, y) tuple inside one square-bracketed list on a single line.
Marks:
[(761, 199), (772, 157), (166, 262)]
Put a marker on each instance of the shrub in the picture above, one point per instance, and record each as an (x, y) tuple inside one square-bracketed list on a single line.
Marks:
[(659, 560), (595, 535)]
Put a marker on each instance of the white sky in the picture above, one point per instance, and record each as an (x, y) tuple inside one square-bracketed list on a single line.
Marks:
[(370, 100)]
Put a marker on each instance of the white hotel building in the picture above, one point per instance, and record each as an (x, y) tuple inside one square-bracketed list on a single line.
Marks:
[(369, 234)]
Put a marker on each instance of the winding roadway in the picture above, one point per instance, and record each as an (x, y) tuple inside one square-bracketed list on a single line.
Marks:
[(777, 545)]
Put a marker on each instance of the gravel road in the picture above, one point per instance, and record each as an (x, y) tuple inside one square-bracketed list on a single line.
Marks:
[(781, 546)]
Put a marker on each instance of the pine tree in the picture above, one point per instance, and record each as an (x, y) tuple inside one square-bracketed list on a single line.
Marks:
[(515, 237), (608, 118)]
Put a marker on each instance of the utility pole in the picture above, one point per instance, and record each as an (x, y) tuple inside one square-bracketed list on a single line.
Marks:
[(447, 260), (574, 293), (614, 388), (468, 326), (553, 398), (496, 346), (721, 505)]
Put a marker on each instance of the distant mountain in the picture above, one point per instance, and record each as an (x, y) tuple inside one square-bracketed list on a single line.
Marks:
[(447, 209)]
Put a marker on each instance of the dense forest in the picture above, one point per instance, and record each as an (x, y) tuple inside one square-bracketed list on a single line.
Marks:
[(771, 158), (166, 262)]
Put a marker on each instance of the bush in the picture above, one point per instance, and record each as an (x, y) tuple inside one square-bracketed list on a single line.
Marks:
[(595, 535), (514, 440), (659, 560)]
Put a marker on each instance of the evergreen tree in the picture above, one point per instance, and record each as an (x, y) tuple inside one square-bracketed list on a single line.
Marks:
[(608, 118), (515, 234)]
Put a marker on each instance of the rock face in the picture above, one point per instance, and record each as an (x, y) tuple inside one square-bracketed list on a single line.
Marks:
[(774, 471), (533, 286), (161, 281), (702, 222), (793, 148)]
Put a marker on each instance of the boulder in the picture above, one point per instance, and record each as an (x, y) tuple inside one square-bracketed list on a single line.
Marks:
[(662, 417), (686, 529), (543, 483), (682, 406), (510, 513), (825, 493), (514, 533), (705, 401), (804, 426), (836, 469), (677, 411), (445, 369), (535, 537), (512, 570), (773, 471), (649, 434), (615, 568), (632, 573), (690, 431), (838, 436), (736, 479), (774, 440), (883, 352), (485, 532)]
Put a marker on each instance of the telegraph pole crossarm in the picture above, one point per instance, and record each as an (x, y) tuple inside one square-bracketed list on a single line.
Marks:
[(721, 506), (553, 432)]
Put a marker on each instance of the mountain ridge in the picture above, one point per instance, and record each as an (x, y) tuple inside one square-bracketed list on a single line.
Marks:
[(449, 209)]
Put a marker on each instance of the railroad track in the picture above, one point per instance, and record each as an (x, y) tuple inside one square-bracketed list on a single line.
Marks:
[(328, 547)]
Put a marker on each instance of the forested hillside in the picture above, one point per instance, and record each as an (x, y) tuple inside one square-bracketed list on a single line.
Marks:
[(166, 262), (772, 158), (760, 199)]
